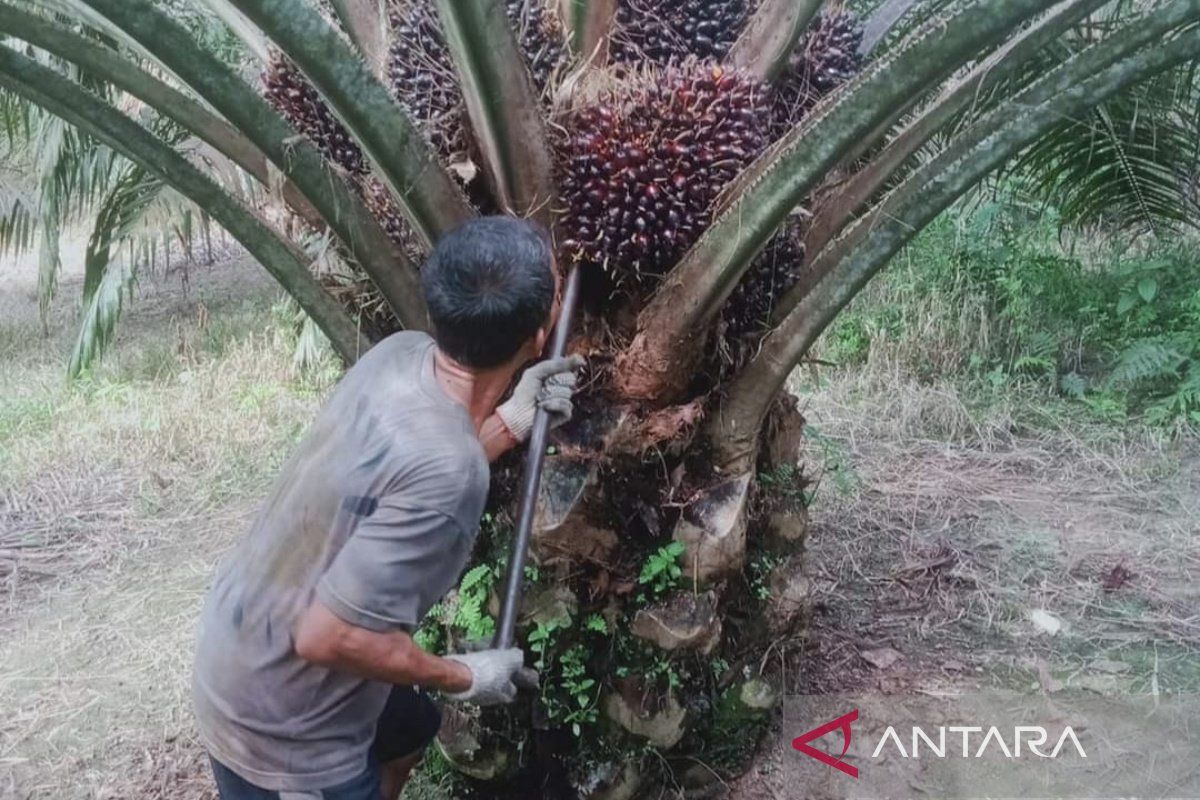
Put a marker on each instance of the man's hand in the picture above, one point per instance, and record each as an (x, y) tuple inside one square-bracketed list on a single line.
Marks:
[(495, 676), (547, 385)]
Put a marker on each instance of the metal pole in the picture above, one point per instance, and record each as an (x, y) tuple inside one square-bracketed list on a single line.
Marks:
[(511, 599)]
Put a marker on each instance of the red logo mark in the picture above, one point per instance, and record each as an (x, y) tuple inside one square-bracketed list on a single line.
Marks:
[(842, 723)]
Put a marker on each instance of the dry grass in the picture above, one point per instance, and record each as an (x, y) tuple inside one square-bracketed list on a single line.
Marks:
[(941, 522), (940, 528), (117, 496)]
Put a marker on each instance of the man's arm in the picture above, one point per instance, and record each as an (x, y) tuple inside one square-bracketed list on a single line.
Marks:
[(326, 639), (496, 438)]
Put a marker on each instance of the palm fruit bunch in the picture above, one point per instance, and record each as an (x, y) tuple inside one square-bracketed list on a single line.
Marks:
[(288, 90), (540, 39), (825, 58), (383, 207), (421, 76), (773, 273), (421, 72), (643, 163), (661, 30), (829, 55)]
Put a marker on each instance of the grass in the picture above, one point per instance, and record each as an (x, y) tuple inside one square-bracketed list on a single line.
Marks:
[(960, 485), (937, 533), (118, 495), (992, 300)]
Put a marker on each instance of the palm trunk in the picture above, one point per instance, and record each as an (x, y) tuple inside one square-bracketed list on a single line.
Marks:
[(649, 571)]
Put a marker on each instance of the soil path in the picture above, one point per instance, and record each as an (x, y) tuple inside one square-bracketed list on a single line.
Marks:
[(117, 498), (1011, 563)]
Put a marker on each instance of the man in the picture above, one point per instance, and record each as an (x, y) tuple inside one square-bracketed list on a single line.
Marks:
[(306, 676)]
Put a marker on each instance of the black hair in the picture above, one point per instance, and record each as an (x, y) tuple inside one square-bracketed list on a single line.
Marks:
[(489, 284)]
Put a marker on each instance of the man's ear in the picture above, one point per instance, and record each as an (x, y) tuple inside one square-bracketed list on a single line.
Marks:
[(539, 342)]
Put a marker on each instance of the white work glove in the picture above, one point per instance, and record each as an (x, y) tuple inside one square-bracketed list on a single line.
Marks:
[(495, 676), (547, 385)]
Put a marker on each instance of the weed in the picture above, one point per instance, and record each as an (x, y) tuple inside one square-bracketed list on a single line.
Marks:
[(471, 615), (431, 637), (759, 571), (786, 482), (661, 570), (989, 294), (572, 700)]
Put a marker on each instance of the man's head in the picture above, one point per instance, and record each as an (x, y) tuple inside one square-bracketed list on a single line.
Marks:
[(490, 288)]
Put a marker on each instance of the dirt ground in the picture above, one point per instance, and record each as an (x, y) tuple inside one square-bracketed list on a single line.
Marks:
[(987, 558), (117, 497), (937, 534)]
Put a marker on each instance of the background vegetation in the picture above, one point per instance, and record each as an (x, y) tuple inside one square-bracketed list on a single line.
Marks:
[(1000, 297)]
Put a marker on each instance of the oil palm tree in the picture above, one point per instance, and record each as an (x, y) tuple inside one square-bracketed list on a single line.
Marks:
[(727, 175)]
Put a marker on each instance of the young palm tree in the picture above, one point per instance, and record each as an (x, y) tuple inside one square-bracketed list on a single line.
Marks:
[(726, 174)]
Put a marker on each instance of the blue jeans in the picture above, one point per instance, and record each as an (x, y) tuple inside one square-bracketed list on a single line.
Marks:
[(231, 786), (407, 725)]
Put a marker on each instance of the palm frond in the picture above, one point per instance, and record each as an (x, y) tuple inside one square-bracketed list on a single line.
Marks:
[(1070, 89), (311, 346), (755, 205), (502, 105), (1128, 165), (242, 28), (333, 195), (771, 35), (100, 317), (65, 98), (18, 222), (116, 219), (587, 25)]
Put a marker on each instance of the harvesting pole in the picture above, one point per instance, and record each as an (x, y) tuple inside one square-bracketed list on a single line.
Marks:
[(510, 604)]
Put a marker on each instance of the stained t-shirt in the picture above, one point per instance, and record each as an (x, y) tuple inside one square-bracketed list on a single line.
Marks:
[(375, 515)]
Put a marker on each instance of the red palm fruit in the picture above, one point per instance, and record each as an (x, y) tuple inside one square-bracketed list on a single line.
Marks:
[(291, 93), (636, 193), (773, 273), (421, 72), (829, 55), (826, 57), (659, 31)]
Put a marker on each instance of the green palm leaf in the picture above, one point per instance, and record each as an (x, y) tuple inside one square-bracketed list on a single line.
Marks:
[(1127, 165), (100, 317)]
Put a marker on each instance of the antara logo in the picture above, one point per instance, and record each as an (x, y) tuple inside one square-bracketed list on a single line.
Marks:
[(1033, 737), (842, 723)]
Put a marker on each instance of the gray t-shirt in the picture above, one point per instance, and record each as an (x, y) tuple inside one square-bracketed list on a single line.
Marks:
[(375, 515)]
